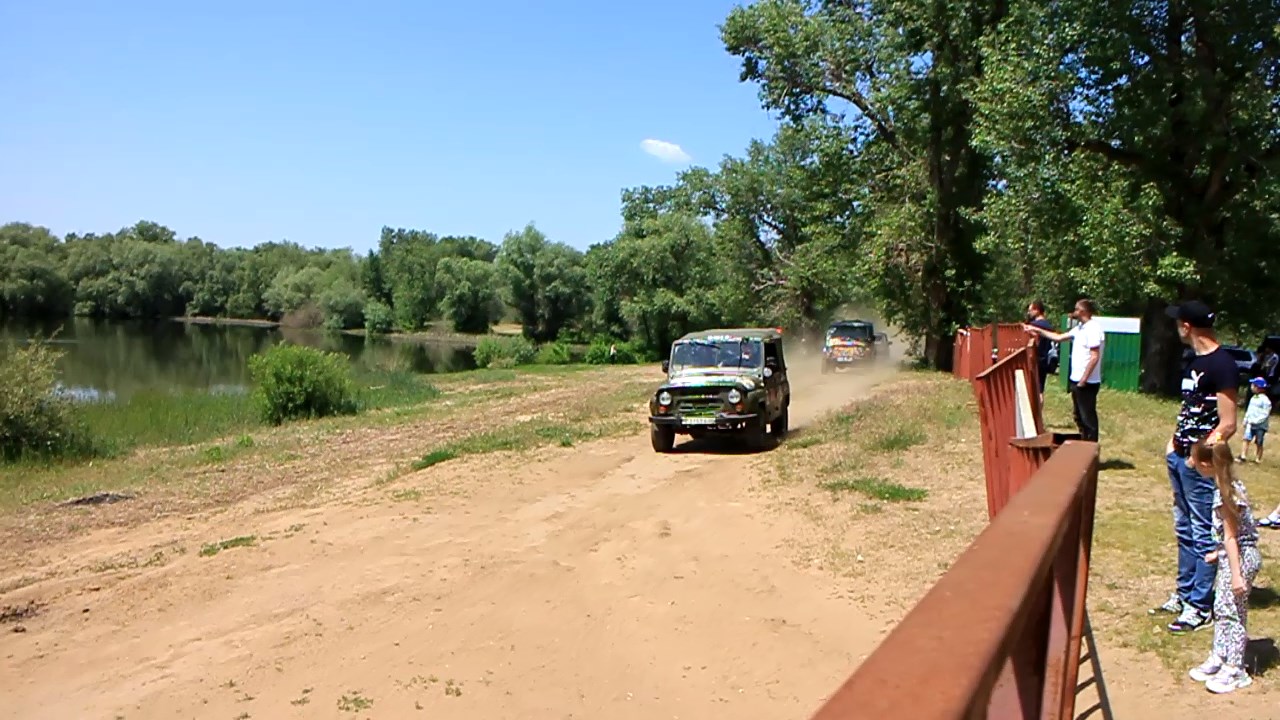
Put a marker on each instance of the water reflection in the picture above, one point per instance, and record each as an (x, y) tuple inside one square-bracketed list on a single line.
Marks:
[(108, 360)]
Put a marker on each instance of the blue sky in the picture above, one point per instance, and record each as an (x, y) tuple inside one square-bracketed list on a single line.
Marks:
[(244, 122)]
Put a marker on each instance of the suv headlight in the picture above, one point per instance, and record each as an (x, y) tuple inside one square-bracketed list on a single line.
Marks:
[(664, 398), (735, 396)]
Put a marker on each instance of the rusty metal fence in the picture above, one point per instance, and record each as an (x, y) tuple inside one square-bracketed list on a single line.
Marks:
[(978, 348), (973, 351), (1014, 442)]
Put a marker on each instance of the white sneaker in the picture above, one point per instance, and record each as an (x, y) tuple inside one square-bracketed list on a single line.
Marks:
[(1206, 670), (1228, 679)]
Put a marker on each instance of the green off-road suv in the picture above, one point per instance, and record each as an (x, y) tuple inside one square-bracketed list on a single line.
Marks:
[(731, 382)]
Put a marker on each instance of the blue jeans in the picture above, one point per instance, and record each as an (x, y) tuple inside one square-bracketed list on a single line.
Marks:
[(1193, 525)]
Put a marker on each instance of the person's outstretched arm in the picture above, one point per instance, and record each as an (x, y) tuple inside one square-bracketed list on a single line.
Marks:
[(1051, 335)]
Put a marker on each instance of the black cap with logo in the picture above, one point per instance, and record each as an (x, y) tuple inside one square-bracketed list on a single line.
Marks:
[(1193, 312)]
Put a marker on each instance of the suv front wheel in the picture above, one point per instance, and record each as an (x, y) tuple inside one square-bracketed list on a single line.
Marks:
[(778, 428), (663, 438)]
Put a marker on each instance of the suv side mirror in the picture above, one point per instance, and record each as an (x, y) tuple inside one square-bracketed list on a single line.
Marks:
[(666, 366)]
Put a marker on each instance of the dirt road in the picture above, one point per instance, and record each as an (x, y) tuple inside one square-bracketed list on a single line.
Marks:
[(588, 582)]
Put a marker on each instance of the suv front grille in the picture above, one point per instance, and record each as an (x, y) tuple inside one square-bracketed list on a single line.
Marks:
[(699, 404)]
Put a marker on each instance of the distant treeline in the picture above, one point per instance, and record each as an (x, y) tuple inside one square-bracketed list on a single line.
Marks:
[(658, 279)]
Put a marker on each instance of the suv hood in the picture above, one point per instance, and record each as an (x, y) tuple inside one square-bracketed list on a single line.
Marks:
[(713, 378)]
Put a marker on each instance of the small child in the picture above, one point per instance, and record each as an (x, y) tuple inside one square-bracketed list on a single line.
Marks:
[(1238, 562), (1256, 420)]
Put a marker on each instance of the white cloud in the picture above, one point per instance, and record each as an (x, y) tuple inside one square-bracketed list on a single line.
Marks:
[(665, 151)]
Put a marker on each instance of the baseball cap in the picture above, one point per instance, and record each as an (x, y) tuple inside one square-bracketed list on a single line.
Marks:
[(1193, 312), (1259, 382)]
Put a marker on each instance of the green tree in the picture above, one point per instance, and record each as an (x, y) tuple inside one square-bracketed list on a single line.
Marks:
[(664, 275), (469, 293), (894, 77), (292, 289), (32, 280), (544, 281), (409, 260), (1159, 117), (790, 216), (343, 303)]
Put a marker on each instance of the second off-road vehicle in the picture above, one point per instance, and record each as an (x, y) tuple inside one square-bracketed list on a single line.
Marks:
[(852, 343), (726, 382)]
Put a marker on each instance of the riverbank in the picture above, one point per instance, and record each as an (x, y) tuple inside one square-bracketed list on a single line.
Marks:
[(435, 332), (229, 322)]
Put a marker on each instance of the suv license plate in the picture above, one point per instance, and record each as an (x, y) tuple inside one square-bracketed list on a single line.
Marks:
[(699, 421)]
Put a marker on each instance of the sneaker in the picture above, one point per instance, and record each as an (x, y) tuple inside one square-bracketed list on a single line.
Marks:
[(1206, 670), (1228, 679), (1172, 606), (1190, 620), (1270, 521)]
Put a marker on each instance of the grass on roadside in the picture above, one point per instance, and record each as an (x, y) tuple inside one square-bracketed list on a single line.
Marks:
[(850, 472), (174, 464), (523, 436), (212, 549), (875, 488), (1134, 559)]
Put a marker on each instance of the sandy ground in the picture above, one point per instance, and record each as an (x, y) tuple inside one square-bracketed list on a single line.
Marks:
[(596, 581), (600, 581)]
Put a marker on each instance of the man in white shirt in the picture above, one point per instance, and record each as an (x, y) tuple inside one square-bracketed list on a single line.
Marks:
[(1087, 339)]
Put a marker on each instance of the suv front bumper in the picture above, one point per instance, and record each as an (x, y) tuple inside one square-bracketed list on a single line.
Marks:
[(724, 421)]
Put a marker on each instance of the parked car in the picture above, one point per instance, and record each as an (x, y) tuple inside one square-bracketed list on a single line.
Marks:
[(1246, 361)]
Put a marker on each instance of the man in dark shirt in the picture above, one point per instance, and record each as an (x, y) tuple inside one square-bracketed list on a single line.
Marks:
[(1208, 414), (1035, 316)]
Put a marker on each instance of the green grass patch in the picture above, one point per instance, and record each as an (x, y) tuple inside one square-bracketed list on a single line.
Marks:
[(354, 702), (898, 439), (377, 391), (212, 549), (435, 457), (875, 488), (406, 495), (154, 418), (807, 440), (518, 437)]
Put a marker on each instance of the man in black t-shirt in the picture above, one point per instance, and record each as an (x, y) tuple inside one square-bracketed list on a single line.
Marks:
[(1208, 414), (1035, 316)]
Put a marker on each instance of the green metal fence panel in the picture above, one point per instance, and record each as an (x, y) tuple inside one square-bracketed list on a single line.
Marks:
[(1122, 362)]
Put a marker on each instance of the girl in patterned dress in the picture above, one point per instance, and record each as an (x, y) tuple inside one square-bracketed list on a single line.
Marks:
[(1238, 561)]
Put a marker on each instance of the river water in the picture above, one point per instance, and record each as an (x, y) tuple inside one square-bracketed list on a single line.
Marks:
[(106, 360)]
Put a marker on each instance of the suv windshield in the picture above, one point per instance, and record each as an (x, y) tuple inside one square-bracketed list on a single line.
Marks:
[(718, 353), (850, 332)]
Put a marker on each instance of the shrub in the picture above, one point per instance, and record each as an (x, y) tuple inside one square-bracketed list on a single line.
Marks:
[(556, 353), (378, 318), (598, 352), (301, 382), (493, 352), (34, 420), (306, 316)]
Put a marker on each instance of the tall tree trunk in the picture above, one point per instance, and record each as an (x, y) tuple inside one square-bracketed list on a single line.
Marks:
[(1161, 369), (938, 350)]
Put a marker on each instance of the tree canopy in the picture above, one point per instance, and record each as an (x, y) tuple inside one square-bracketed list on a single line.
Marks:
[(942, 162)]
